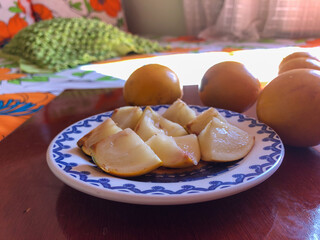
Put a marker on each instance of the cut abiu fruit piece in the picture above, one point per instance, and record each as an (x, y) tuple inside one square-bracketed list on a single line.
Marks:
[(179, 112), (223, 142), (201, 121), (176, 152), (152, 123), (124, 154), (127, 117), (104, 130)]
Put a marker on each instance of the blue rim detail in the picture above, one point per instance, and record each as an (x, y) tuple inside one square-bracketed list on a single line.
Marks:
[(274, 152)]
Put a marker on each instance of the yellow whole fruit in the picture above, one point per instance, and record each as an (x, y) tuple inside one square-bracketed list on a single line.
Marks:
[(297, 55), (229, 85), (152, 84), (290, 104), (297, 63)]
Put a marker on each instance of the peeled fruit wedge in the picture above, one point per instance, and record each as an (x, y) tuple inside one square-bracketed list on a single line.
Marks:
[(133, 142), (125, 154), (152, 123), (201, 121), (176, 152), (127, 117), (105, 129), (190, 144), (222, 142), (180, 113)]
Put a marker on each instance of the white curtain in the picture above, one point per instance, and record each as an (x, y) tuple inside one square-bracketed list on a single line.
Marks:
[(252, 19)]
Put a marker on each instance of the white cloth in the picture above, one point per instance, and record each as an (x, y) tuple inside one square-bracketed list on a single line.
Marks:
[(252, 19)]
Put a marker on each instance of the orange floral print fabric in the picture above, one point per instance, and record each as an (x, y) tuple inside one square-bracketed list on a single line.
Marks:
[(15, 24), (14, 16), (15, 109), (109, 11), (41, 12), (111, 7), (6, 75)]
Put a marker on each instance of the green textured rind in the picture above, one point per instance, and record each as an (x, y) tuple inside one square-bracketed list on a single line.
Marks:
[(63, 43)]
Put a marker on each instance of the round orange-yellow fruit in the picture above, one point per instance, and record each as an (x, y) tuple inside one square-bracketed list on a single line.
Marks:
[(290, 104), (297, 55), (152, 84), (229, 85), (301, 62)]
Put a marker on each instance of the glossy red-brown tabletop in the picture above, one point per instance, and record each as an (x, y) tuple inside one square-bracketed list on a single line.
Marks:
[(34, 204)]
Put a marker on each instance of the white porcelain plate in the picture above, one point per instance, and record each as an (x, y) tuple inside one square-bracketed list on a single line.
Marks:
[(207, 181)]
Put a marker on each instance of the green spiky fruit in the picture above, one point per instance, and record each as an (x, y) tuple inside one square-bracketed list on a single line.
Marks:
[(63, 43)]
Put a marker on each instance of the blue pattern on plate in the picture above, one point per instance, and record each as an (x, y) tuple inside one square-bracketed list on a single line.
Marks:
[(273, 151)]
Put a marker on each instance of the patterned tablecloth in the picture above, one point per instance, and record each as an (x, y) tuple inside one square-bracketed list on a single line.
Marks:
[(21, 95)]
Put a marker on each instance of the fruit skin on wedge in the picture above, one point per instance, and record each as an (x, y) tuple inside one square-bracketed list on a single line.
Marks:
[(201, 121), (180, 113), (152, 123), (222, 142), (104, 130), (176, 152), (124, 154), (127, 117)]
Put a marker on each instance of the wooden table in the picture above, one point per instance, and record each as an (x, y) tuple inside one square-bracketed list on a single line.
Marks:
[(34, 204)]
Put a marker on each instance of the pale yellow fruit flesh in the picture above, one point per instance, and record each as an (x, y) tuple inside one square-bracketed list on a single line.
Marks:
[(201, 121), (171, 128), (180, 113), (172, 154), (125, 154), (157, 141), (152, 123), (127, 117), (190, 144), (105, 129), (146, 127), (223, 142)]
